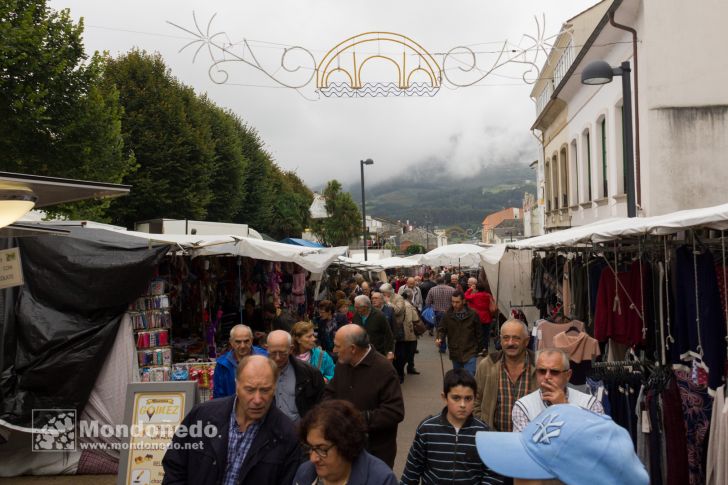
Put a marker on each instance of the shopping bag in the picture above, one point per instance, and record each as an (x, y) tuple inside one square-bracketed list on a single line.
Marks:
[(428, 315)]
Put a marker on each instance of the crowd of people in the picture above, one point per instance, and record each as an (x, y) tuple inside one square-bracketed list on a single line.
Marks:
[(320, 402)]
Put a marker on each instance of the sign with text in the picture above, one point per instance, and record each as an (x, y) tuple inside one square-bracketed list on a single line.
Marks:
[(154, 411), (11, 271)]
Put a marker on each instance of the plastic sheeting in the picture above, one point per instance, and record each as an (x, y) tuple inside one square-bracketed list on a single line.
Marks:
[(301, 242), (510, 281), (56, 336)]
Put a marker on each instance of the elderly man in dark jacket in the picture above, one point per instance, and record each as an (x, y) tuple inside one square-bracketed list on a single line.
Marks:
[(368, 381), (241, 439), (461, 327), (300, 386), (376, 325)]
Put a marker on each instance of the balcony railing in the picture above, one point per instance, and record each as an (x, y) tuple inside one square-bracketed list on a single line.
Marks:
[(544, 97), (565, 61)]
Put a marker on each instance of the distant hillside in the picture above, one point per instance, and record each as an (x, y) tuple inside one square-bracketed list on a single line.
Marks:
[(429, 193)]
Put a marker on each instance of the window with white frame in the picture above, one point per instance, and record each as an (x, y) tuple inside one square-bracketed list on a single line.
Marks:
[(619, 148), (587, 162), (547, 184), (574, 174), (564, 176), (603, 172)]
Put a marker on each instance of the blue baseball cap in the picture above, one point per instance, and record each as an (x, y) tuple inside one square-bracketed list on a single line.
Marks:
[(567, 443)]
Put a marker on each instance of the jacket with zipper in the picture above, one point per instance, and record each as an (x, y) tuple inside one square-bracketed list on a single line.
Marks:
[(463, 334), (272, 459)]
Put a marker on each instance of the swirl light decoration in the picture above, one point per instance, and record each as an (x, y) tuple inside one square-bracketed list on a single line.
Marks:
[(223, 52), (342, 58), (350, 57), (535, 48)]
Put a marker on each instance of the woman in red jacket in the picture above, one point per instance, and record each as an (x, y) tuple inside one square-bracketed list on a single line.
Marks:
[(484, 305)]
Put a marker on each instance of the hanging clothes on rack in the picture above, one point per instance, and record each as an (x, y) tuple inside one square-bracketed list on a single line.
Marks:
[(580, 292), (566, 289), (538, 289), (717, 466), (699, 327), (582, 350), (676, 447), (697, 408), (619, 311), (622, 381), (594, 274), (544, 331)]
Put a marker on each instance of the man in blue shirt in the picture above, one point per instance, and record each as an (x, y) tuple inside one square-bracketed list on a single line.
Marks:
[(237, 439), (241, 343)]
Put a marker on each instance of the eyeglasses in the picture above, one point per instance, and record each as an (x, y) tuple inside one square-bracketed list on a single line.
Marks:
[(554, 372), (321, 451), (276, 355)]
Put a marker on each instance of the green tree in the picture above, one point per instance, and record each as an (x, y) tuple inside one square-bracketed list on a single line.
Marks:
[(342, 225), (415, 249), (290, 205), (227, 181), (168, 129), (59, 117), (257, 206)]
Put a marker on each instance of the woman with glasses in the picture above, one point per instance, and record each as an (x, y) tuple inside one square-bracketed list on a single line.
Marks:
[(304, 348), (333, 435)]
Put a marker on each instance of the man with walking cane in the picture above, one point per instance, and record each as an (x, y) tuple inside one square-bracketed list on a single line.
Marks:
[(461, 327)]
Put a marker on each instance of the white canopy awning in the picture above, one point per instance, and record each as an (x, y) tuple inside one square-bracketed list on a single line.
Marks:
[(708, 217), (467, 255), (399, 262), (315, 260)]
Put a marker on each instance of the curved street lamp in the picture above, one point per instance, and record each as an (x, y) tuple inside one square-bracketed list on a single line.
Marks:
[(368, 161), (600, 72)]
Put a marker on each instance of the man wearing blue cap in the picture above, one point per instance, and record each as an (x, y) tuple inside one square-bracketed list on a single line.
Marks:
[(565, 443)]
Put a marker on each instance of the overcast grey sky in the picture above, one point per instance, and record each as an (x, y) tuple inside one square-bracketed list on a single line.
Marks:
[(324, 139)]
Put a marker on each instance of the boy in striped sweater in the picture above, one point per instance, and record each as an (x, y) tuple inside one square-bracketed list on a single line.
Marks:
[(444, 447)]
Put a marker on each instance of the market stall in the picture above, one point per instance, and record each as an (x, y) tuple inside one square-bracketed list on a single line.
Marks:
[(103, 307), (648, 297)]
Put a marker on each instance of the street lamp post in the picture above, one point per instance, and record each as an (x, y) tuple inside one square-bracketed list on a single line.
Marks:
[(368, 161), (600, 72), (427, 235)]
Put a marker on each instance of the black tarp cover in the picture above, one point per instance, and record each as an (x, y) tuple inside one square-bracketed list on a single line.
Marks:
[(57, 329)]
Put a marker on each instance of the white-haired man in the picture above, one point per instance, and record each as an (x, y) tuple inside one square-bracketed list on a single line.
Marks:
[(376, 325), (416, 292), (241, 345), (552, 374), (299, 386)]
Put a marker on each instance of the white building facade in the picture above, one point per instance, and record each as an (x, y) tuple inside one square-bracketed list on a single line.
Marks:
[(680, 112)]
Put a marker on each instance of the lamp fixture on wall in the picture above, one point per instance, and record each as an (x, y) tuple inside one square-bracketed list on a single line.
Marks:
[(600, 72)]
